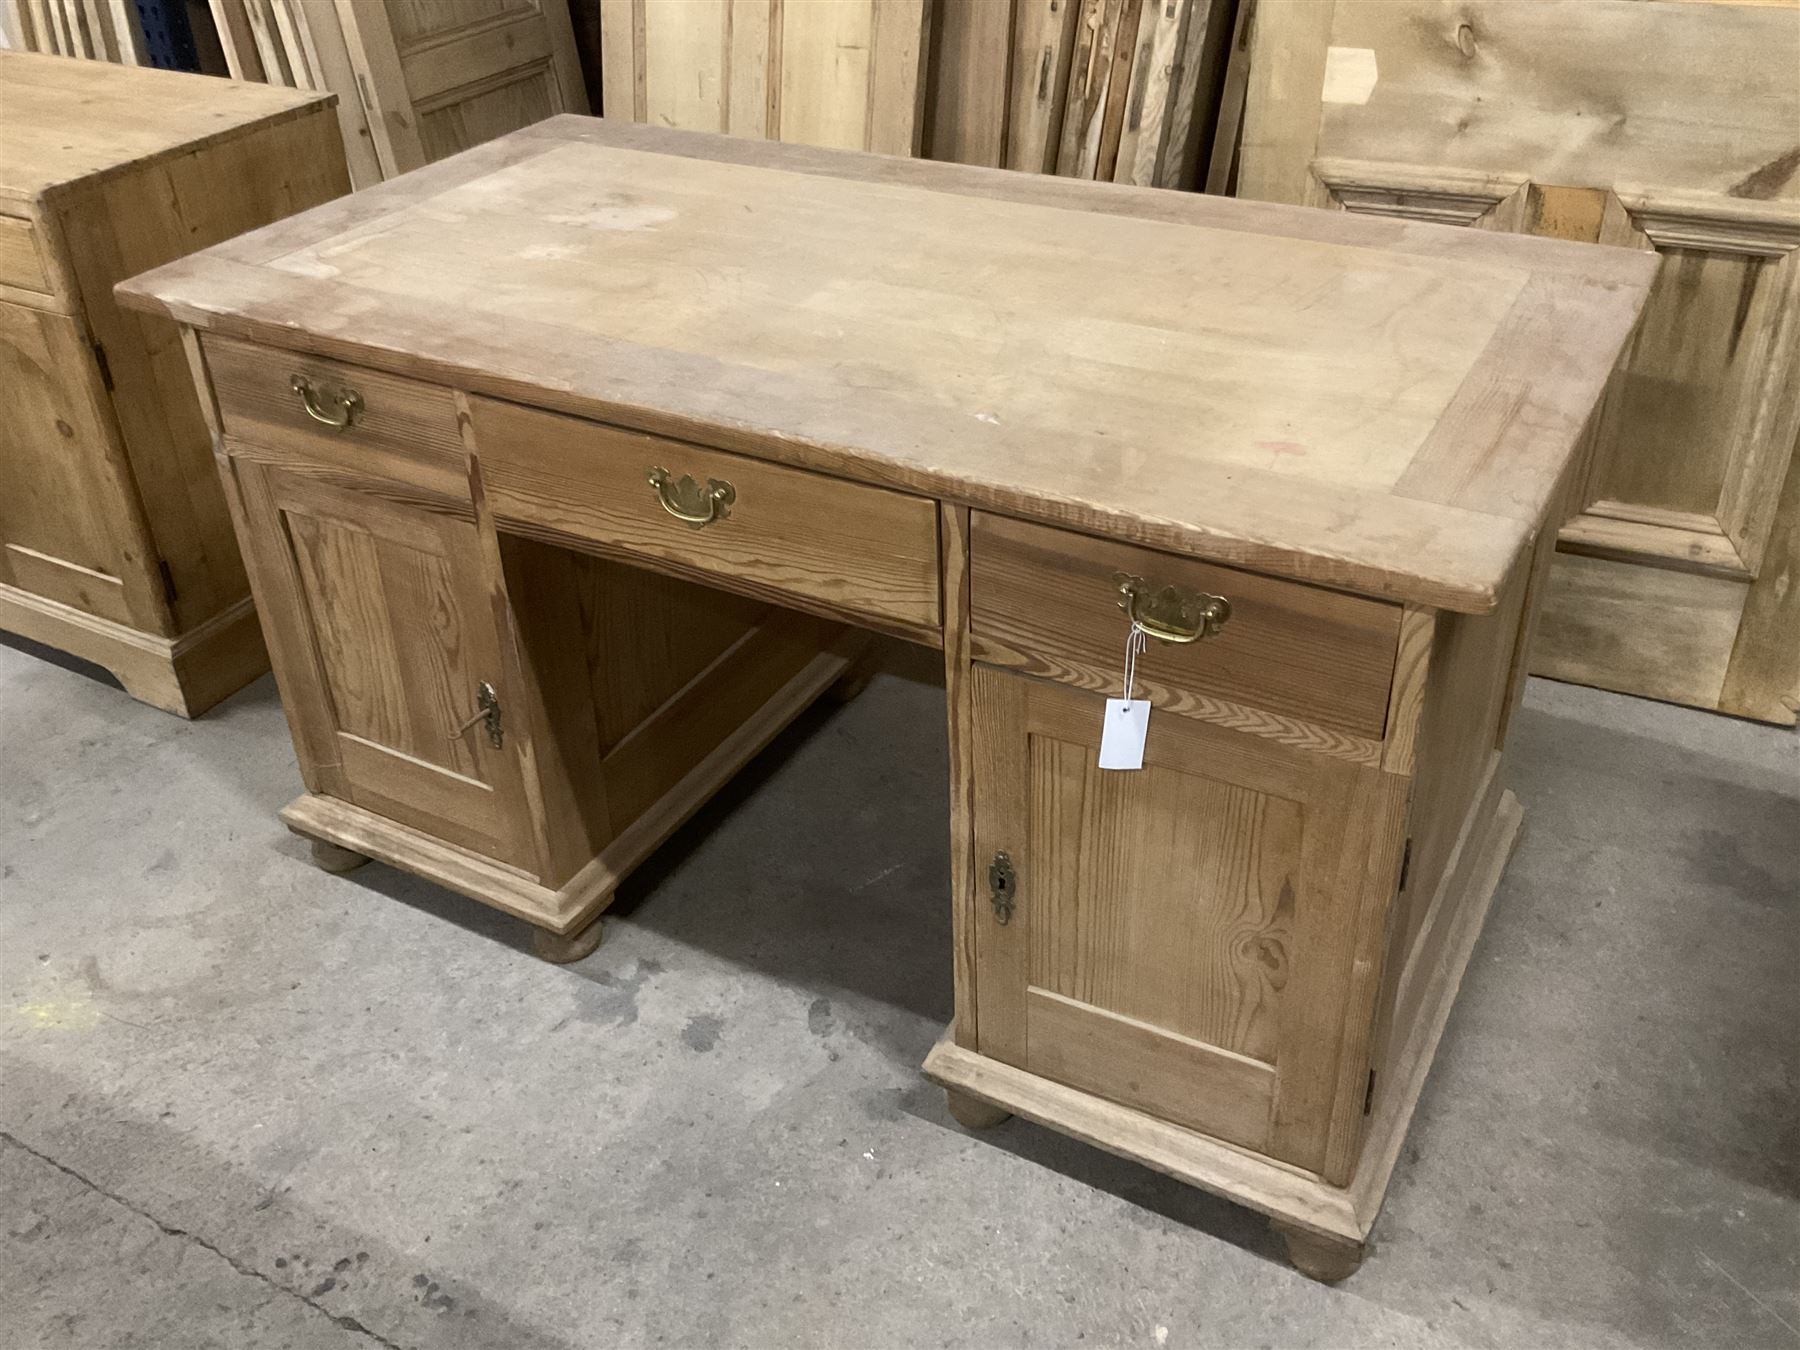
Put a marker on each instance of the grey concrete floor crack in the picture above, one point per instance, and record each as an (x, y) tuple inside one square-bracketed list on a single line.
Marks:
[(346, 1323)]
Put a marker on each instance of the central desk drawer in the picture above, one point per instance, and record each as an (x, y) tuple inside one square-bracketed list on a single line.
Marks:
[(1046, 601), (824, 544)]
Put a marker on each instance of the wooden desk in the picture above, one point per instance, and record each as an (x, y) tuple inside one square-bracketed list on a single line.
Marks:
[(953, 405)]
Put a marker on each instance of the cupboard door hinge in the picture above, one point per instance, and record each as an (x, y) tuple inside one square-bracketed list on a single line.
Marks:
[(106, 376), (168, 580), (1405, 864), (1369, 1094)]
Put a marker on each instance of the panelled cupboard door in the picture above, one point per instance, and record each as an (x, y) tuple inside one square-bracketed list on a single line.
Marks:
[(444, 75), (1182, 936), (388, 636), (71, 526), (1668, 127), (848, 74)]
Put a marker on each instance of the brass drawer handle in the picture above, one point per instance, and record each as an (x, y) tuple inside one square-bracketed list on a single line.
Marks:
[(1171, 613), (693, 505), (344, 403)]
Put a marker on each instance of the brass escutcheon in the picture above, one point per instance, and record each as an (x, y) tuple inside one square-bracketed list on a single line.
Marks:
[(487, 712), (1003, 886)]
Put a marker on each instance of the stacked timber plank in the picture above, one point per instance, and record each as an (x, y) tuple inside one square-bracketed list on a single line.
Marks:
[(281, 42), (100, 30), (1123, 91), (416, 80), (848, 74)]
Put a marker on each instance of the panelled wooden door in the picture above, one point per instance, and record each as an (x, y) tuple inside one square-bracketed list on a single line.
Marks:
[(71, 525), (1182, 936), (847, 73), (388, 636), (443, 75), (1668, 126)]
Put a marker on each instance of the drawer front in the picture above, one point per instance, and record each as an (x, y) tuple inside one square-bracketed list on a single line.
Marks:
[(846, 549), (391, 426), (1045, 601), (21, 261)]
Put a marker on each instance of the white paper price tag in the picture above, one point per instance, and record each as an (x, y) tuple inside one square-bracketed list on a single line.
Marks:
[(1127, 720), (1122, 734)]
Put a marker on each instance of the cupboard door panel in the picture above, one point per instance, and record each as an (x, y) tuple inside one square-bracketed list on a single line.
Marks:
[(1118, 929), (1183, 936), (848, 74), (1701, 425), (71, 525), (445, 75), (385, 609), (1679, 392)]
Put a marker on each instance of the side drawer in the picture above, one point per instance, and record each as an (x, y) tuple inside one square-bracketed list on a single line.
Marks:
[(1046, 601), (846, 549), (395, 427), (22, 262)]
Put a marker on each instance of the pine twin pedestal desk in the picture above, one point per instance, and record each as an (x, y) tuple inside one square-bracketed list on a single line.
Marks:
[(570, 469)]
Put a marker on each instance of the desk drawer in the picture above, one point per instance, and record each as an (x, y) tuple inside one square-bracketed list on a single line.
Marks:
[(21, 259), (847, 549), (1045, 601), (399, 428)]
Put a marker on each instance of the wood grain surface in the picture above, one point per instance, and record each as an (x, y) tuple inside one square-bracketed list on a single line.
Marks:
[(968, 335)]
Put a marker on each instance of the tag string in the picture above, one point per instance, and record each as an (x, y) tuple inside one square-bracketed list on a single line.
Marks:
[(1134, 643)]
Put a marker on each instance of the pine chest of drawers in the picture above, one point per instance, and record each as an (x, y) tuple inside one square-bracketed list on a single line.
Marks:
[(115, 542)]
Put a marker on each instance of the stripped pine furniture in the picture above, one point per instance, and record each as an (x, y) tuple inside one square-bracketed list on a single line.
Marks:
[(1126, 91), (571, 470), (115, 542)]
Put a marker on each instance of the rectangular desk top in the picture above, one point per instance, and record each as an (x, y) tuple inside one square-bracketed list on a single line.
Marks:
[(1368, 403)]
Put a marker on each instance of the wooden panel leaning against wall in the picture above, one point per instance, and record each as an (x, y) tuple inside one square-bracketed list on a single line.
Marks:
[(100, 30), (416, 80), (1125, 91), (848, 75), (115, 542), (1672, 127)]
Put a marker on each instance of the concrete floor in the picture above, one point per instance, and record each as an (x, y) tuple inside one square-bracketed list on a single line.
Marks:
[(247, 1104)]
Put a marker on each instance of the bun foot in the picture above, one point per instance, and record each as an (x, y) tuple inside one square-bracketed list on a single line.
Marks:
[(852, 682), (330, 857), (560, 950), (1327, 1260), (971, 1112)]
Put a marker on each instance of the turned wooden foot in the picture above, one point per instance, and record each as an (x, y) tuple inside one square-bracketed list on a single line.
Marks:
[(560, 950), (971, 1112), (332, 857), (852, 682), (1321, 1258)]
